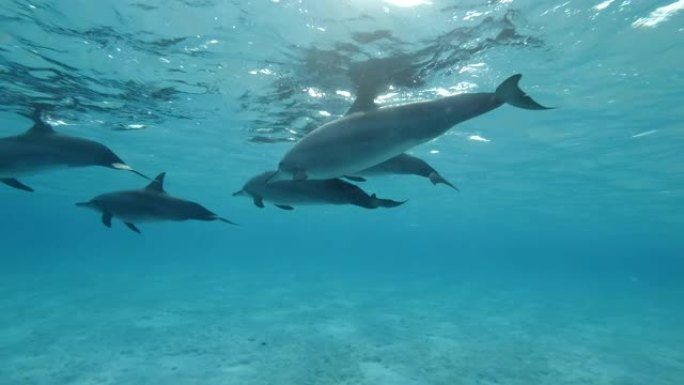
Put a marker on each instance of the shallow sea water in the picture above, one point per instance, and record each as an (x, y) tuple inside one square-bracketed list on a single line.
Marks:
[(559, 261)]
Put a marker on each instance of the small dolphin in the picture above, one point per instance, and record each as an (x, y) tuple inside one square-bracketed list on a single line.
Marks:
[(151, 204), (404, 164), (368, 135), (41, 149), (285, 194)]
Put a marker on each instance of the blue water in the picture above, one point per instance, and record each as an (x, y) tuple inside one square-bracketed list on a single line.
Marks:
[(560, 261)]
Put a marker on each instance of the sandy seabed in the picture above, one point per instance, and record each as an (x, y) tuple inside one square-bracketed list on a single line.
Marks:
[(253, 329)]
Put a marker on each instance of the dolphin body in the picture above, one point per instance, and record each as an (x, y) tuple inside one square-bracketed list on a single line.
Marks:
[(150, 204), (286, 194), (368, 135), (41, 149), (405, 164)]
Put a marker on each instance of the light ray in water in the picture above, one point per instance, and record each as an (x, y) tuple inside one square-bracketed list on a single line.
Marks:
[(408, 3), (659, 15)]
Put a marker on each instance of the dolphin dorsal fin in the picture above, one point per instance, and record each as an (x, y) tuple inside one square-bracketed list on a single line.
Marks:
[(41, 128), (39, 125), (365, 101), (157, 185)]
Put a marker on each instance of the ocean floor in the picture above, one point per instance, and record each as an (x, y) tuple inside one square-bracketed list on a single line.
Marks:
[(257, 329)]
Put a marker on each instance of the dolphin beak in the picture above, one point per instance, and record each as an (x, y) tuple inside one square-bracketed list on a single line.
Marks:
[(84, 204), (239, 193), (125, 167)]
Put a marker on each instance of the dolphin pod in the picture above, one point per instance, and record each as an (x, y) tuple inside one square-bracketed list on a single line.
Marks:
[(42, 149), (150, 204), (367, 141)]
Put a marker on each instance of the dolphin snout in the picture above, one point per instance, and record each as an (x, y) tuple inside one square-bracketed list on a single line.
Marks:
[(239, 193)]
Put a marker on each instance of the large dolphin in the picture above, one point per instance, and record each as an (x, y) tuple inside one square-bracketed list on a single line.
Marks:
[(41, 149), (286, 194), (150, 204), (405, 164), (368, 135)]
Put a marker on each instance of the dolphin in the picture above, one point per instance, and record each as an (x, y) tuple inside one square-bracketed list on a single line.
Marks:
[(404, 164), (285, 194), (41, 149), (369, 135), (150, 204)]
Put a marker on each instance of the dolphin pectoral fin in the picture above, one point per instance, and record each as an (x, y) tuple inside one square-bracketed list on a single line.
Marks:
[(133, 227), (258, 201), (285, 207), (436, 179), (355, 178), (509, 92), (13, 182), (107, 219)]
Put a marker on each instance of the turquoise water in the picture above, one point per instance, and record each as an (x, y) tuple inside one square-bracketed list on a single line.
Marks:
[(559, 261)]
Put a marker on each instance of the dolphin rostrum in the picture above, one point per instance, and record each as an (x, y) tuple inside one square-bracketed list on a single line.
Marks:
[(41, 148), (368, 135), (285, 194), (150, 204)]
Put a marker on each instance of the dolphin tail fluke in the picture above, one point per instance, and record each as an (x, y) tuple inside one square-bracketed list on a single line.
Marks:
[(379, 202), (13, 182), (436, 179), (509, 92), (224, 220)]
